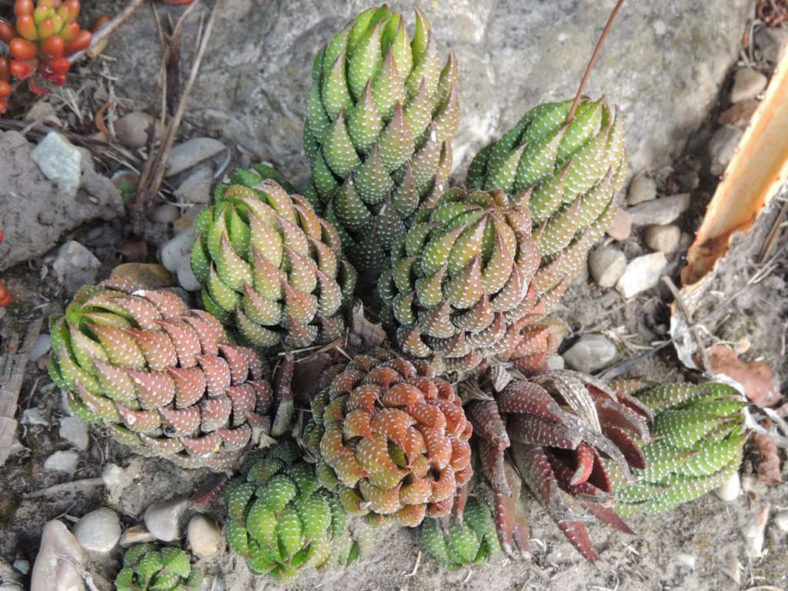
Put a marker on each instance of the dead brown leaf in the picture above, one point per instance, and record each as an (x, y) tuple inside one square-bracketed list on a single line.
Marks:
[(371, 335), (769, 465), (758, 379)]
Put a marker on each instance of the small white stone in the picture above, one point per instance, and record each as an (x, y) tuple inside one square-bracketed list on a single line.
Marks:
[(75, 431), (659, 211), (75, 266), (58, 561), (177, 251), (641, 189), (686, 560), (641, 274), (730, 489), (23, 566), (781, 521), (62, 461), (747, 84), (98, 531), (191, 152), (32, 416), (590, 353), (136, 534), (662, 238), (60, 161), (41, 348), (722, 147), (203, 536), (163, 520), (606, 265), (555, 361)]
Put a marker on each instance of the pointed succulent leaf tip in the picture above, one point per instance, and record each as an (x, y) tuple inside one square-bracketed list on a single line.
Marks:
[(392, 440), (565, 167), (561, 425), (381, 115), (270, 267), (461, 287), (698, 433), (282, 521), (153, 567), (163, 379)]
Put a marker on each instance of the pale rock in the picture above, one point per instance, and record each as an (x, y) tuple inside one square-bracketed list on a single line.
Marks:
[(659, 211), (203, 536), (164, 213), (163, 520), (75, 266), (555, 361), (773, 43), (781, 521), (136, 534), (590, 353), (641, 274), (621, 227), (41, 347), (606, 265), (32, 416), (730, 489), (177, 250), (23, 566), (662, 238), (132, 129), (686, 560), (98, 531), (196, 188), (191, 152), (57, 564), (60, 161), (722, 147), (75, 431), (186, 278), (62, 461), (641, 189), (747, 84)]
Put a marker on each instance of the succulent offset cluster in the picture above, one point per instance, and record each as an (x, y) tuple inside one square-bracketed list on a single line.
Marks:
[(270, 266), (160, 377), (282, 521), (461, 284), (698, 433), (558, 426), (46, 33), (391, 439), (455, 542), (148, 567), (567, 172), (381, 116)]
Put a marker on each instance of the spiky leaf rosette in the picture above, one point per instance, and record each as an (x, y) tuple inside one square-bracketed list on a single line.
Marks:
[(558, 427), (270, 266), (391, 439), (461, 285), (567, 173), (381, 116), (457, 542), (162, 378), (282, 521), (698, 433), (150, 567)]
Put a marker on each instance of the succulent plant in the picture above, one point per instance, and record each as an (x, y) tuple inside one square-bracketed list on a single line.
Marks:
[(162, 378), (270, 266), (391, 439), (457, 542), (381, 117), (46, 33), (557, 427), (698, 435), (282, 521), (463, 285), (5, 86), (149, 567)]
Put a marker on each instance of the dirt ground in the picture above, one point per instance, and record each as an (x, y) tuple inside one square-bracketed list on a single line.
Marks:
[(700, 546)]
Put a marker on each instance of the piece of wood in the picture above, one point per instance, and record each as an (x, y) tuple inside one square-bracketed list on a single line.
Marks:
[(12, 374)]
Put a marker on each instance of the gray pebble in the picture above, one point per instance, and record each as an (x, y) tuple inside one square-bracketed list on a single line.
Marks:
[(60, 161), (641, 274), (75, 431), (42, 346), (75, 266), (192, 152), (590, 353), (164, 213), (659, 211), (747, 84), (62, 461), (177, 250), (132, 129), (722, 147), (163, 520), (641, 189), (59, 560), (196, 188), (203, 536), (98, 531)]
